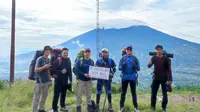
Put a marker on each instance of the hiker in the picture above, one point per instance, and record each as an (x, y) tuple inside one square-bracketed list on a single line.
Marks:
[(129, 65), (84, 80), (63, 80), (43, 81), (162, 76), (106, 62)]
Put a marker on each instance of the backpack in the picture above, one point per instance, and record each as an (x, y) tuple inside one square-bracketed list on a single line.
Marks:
[(32, 74), (79, 56), (56, 53)]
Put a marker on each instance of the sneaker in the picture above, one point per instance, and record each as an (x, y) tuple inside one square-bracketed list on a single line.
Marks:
[(64, 109), (110, 109), (90, 108), (42, 111), (121, 109), (136, 110), (78, 109), (55, 111), (153, 109)]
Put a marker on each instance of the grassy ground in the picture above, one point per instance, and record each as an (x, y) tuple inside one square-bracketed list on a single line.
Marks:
[(18, 98)]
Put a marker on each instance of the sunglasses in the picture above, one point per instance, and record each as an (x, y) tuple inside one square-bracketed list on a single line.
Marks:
[(129, 49)]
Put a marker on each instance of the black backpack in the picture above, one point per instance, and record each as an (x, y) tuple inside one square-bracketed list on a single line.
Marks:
[(32, 74)]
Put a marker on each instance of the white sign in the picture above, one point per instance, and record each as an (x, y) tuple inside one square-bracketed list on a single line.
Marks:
[(99, 72)]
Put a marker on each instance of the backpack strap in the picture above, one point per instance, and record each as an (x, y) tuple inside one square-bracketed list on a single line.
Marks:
[(91, 61), (135, 59), (59, 61), (101, 61), (109, 61), (124, 59), (81, 62), (69, 61)]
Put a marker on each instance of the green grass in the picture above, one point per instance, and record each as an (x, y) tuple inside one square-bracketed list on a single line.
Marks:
[(18, 98)]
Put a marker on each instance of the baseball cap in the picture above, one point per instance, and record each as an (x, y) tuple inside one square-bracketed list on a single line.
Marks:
[(104, 50), (87, 49), (129, 47)]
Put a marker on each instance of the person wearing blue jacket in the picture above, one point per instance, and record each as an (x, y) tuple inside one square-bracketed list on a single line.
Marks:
[(105, 61), (84, 80), (129, 66)]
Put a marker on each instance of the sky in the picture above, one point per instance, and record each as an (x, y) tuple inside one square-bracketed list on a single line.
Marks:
[(42, 22)]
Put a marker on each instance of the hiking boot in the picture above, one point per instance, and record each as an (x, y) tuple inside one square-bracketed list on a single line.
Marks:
[(110, 109), (153, 109), (90, 108), (64, 109), (78, 109), (97, 108), (121, 109), (164, 110), (136, 110), (42, 111)]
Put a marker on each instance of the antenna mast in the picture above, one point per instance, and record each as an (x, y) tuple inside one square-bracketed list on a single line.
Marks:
[(97, 29)]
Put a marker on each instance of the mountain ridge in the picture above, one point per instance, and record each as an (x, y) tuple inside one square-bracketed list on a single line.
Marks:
[(186, 61)]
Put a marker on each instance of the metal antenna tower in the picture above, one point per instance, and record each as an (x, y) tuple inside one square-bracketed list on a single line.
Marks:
[(97, 29)]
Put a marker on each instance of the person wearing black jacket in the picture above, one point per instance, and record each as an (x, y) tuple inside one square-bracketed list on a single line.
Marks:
[(63, 80), (163, 76)]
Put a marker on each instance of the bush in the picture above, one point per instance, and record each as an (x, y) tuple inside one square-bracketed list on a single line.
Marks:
[(3, 85)]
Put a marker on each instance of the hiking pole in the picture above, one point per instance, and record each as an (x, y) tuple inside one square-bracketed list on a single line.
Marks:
[(104, 100), (104, 103)]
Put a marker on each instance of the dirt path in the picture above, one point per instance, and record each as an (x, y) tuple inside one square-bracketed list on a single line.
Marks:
[(173, 99)]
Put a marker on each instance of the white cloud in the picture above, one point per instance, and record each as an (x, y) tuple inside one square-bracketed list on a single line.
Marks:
[(40, 22), (78, 43)]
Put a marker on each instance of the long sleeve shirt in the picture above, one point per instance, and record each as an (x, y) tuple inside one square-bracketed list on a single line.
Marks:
[(162, 68), (129, 67), (65, 63), (107, 63), (82, 67)]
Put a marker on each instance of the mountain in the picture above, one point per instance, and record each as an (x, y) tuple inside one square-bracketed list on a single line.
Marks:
[(185, 64)]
